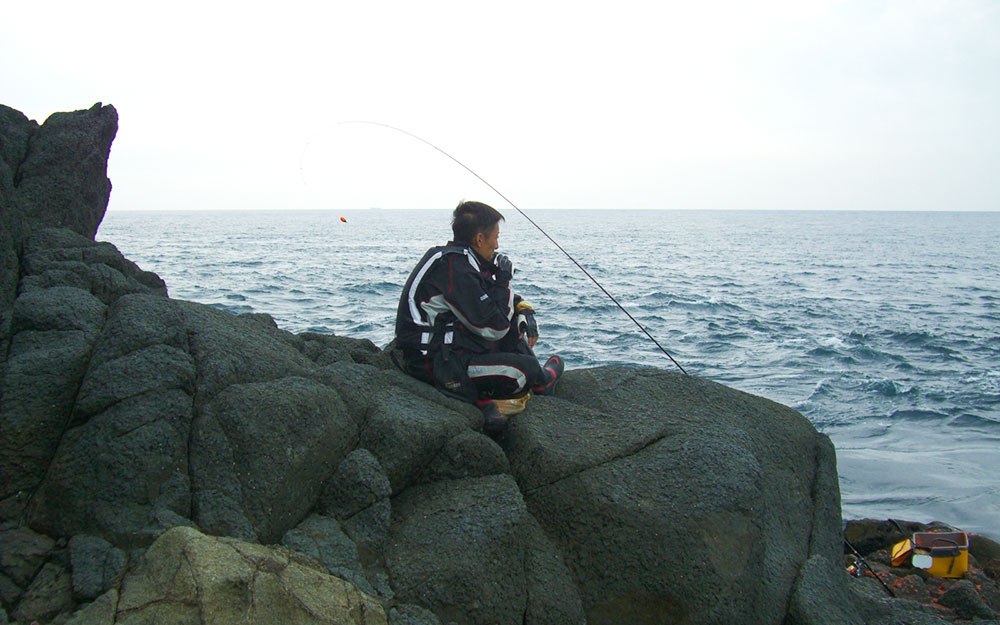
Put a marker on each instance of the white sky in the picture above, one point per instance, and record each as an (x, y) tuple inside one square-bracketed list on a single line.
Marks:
[(859, 104)]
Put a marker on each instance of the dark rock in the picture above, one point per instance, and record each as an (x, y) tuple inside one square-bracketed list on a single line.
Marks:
[(96, 566), (983, 549), (986, 587), (911, 587), (15, 130), (62, 180), (50, 594), (61, 257), (552, 595), (369, 529), (230, 350), (101, 611), (142, 466), (460, 548), (320, 537), (688, 469), (9, 591), (326, 349), (408, 614), (263, 451), (467, 454), (358, 495), (871, 535), (22, 554), (406, 431), (357, 483), (963, 598)]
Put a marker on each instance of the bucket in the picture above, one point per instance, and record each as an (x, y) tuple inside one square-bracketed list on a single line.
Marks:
[(948, 551)]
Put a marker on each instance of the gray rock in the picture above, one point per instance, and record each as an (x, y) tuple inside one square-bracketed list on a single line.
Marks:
[(96, 566), (155, 369), (101, 611), (325, 349), (369, 529), (63, 179), (406, 432), (54, 332), (142, 466), (135, 403), (963, 598), (467, 454), (50, 594), (321, 538), (408, 614), (357, 483), (459, 548), (237, 349), (697, 474), (185, 575), (264, 450), (61, 257), (15, 130), (9, 591), (22, 554), (357, 494)]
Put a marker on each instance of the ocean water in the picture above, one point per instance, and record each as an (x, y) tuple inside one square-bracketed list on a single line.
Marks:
[(882, 328)]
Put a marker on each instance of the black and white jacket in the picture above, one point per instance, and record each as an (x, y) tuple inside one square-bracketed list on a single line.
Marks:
[(453, 291)]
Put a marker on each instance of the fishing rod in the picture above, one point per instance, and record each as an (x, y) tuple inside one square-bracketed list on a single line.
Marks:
[(532, 222), (869, 567)]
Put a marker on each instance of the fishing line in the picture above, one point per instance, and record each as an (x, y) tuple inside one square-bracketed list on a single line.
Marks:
[(532, 222)]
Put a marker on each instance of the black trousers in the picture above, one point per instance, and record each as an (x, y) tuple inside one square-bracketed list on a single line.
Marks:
[(506, 372)]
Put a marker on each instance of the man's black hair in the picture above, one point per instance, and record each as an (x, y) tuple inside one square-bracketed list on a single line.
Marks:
[(471, 218)]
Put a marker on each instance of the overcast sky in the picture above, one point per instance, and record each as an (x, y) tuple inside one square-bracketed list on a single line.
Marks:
[(860, 104)]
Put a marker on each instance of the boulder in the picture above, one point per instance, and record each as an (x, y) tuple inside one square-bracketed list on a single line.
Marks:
[(96, 566), (463, 548), (101, 611), (15, 130), (50, 594), (285, 437), (62, 180), (22, 554), (700, 475), (320, 537), (187, 577)]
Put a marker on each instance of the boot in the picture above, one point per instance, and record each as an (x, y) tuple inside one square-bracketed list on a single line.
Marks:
[(494, 422), (553, 369)]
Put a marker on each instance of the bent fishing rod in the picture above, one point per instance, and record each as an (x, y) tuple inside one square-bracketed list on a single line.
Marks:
[(532, 222)]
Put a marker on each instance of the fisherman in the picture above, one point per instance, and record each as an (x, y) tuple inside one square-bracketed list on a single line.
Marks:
[(460, 326)]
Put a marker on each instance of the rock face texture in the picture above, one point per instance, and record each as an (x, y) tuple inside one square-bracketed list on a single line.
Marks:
[(152, 450)]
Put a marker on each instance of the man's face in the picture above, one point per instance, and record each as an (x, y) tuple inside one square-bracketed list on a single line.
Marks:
[(486, 243)]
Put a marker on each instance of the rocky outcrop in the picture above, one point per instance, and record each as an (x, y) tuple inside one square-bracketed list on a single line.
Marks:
[(137, 427), (187, 577)]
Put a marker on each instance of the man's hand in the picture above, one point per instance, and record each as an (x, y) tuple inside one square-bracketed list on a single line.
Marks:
[(505, 269), (526, 324)]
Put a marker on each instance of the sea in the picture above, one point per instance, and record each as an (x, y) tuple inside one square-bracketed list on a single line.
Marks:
[(882, 328)]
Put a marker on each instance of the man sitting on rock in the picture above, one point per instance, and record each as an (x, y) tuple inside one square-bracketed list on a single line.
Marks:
[(461, 327)]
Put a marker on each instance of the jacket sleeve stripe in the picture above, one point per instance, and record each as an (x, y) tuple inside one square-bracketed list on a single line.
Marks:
[(412, 296)]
